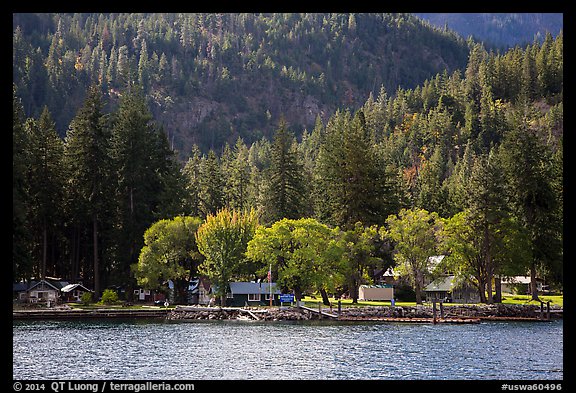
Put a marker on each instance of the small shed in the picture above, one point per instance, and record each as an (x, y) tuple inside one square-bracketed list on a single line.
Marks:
[(519, 284), (449, 289), (376, 292), (73, 292), (252, 294)]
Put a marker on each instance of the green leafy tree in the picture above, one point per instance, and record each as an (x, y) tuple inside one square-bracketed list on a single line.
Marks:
[(305, 254), (465, 248), (223, 239), (169, 253), (415, 234), (360, 254)]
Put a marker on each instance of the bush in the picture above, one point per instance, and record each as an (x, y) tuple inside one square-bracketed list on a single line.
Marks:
[(86, 298), (109, 297)]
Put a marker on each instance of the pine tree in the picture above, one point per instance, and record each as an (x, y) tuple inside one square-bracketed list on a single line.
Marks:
[(191, 172), (286, 192), (141, 161), (211, 185), (87, 163), (351, 180), (534, 195), (488, 212), (46, 184), (21, 250)]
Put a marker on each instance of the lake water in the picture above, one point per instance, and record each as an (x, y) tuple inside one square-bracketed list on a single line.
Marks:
[(209, 350)]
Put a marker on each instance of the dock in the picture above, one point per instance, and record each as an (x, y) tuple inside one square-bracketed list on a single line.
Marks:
[(412, 320), (319, 312)]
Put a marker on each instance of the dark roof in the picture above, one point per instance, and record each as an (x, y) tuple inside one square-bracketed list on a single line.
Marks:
[(26, 286), (244, 288), (19, 286)]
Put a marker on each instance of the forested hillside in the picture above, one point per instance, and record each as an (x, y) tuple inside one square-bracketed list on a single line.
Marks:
[(501, 30), (477, 153), (210, 78)]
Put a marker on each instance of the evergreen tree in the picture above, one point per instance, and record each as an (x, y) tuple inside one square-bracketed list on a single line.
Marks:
[(211, 185), (487, 214), (351, 182), (285, 188), (191, 173), (139, 157), (239, 177), (87, 162), (534, 196), (21, 253), (46, 179)]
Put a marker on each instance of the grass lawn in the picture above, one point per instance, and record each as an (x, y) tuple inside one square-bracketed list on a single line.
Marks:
[(507, 298)]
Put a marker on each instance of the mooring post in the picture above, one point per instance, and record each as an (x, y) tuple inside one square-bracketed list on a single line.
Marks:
[(548, 310), (434, 311), (319, 310), (339, 307), (541, 309), (441, 309)]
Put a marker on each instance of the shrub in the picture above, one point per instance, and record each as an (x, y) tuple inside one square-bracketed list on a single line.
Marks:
[(86, 298), (109, 297)]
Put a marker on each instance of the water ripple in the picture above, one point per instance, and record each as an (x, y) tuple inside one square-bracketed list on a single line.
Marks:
[(285, 350)]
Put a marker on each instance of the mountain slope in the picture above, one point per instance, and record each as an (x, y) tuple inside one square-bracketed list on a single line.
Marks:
[(499, 29), (213, 77)]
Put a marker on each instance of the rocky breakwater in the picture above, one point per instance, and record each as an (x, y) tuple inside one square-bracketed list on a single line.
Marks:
[(481, 311), (245, 313), (448, 311)]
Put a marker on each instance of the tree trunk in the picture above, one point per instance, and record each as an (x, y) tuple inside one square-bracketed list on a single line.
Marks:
[(297, 294), (44, 252), (354, 291), (498, 288), (482, 290), (325, 300), (489, 298), (96, 262), (418, 284), (533, 286), (418, 290)]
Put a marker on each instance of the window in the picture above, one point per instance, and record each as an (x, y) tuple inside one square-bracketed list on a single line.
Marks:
[(253, 297)]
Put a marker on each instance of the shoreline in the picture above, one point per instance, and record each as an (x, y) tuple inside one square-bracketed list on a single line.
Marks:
[(460, 313)]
